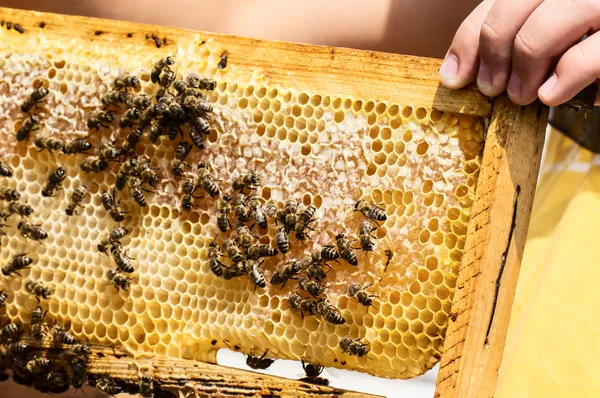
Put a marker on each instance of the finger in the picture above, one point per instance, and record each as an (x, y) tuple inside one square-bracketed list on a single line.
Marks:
[(498, 33), (577, 68), (552, 28), (460, 65)]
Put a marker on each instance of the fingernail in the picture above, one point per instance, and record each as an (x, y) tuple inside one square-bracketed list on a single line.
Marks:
[(449, 69), (484, 78), (548, 86), (514, 85)]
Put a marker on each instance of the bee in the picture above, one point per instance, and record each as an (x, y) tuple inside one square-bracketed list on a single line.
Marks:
[(118, 280), (133, 138), (235, 270), (140, 102), (315, 272), (93, 164), (61, 336), (5, 170), (197, 105), (345, 249), (171, 108), (314, 288), (259, 362), (54, 180), (158, 130), (256, 274), (108, 201), (17, 348), (35, 97), (328, 253), (360, 293), (188, 187), (3, 298), (215, 265), (242, 212), (147, 386), (287, 272), (367, 242), (38, 365), (206, 181), (201, 83), (18, 263), (303, 219), (113, 98), (9, 331), (57, 383), (76, 198), (148, 115), (313, 373), (123, 82), (108, 152), (22, 209), (45, 142), (258, 212), (100, 119), (28, 126), (123, 174), (121, 259), (232, 251), (79, 145), (354, 347), (158, 67), (196, 127), (249, 180), (287, 215), (256, 251), (178, 162), (108, 386), (370, 211), (78, 373), (113, 237), (32, 231), (389, 255), (303, 305), (37, 322), (130, 117), (38, 289), (223, 61), (166, 78), (136, 192), (77, 351), (283, 240), (223, 213), (329, 312), (245, 237)]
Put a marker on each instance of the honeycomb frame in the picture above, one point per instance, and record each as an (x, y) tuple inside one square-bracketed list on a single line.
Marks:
[(427, 101)]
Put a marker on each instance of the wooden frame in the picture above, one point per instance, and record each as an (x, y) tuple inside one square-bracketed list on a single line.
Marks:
[(500, 215)]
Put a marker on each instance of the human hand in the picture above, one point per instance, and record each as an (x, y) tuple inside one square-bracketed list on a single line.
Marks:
[(530, 48)]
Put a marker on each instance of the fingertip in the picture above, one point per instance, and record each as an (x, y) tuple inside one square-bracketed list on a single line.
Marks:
[(547, 91), (449, 72)]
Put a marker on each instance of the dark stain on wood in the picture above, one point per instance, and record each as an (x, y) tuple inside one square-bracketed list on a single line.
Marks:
[(129, 34), (19, 28), (98, 32), (42, 24), (157, 41), (9, 25)]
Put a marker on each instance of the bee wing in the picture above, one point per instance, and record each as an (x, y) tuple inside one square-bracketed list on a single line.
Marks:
[(335, 373)]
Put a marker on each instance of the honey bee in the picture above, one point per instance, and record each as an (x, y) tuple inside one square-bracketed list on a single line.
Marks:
[(171, 108), (214, 264), (121, 259), (133, 138), (38, 289), (57, 383), (35, 97), (178, 162), (54, 180), (256, 274), (242, 213), (45, 142), (287, 216), (78, 350), (123, 173), (17, 348), (248, 180), (3, 298), (232, 251), (166, 78), (136, 191), (147, 386), (9, 331), (283, 240), (303, 219), (314, 288), (303, 305), (100, 119), (118, 280), (313, 373), (370, 211), (93, 164), (206, 181), (108, 152), (353, 347), (110, 205), (130, 117), (367, 241), (38, 365), (188, 188), (235, 270), (197, 126), (245, 237), (259, 362), (16, 264), (197, 105), (79, 145), (223, 61), (5, 170), (9, 194), (61, 336), (123, 82), (389, 255), (149, 115), (108, 386), (140, 102), (158, 67), (345, 249), (257, 251), (158, 130), (37, 322), (315, 272), (31, 231), (360, 293), (78, 372), (258, 212), (223, 213), (113, 237), (22, 209), (77, 197), (329, 312), (112, 98), (287, 272), (201, 83), (28, 126)]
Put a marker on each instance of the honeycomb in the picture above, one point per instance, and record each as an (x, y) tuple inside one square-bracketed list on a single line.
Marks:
[(421, 165)]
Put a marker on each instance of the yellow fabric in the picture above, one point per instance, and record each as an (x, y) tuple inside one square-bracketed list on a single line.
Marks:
[(553, 342)]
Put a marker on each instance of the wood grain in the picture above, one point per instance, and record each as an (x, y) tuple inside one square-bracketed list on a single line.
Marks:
[(490, 266)]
